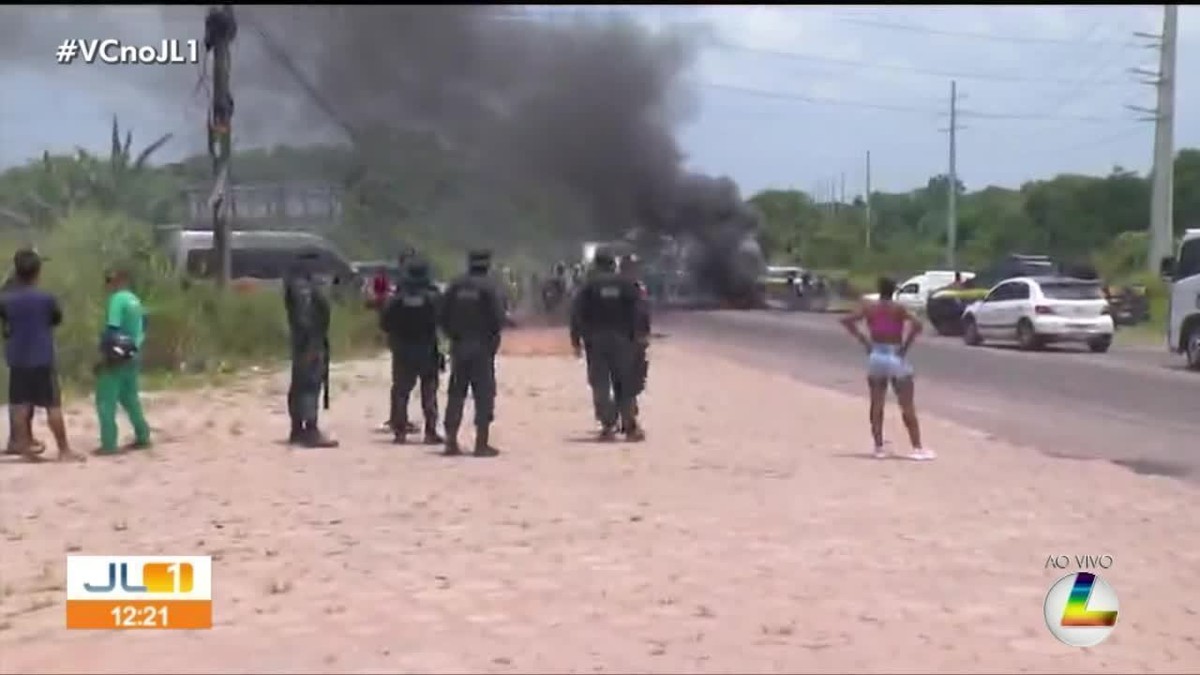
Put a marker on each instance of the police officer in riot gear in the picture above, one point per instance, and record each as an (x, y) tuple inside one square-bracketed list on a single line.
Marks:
[(407, 254), (472, 318), (630, 268), (410, 321), (609, 319), (308, 313)]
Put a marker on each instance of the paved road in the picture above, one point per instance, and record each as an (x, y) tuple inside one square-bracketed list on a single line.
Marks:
[(1135, 406)]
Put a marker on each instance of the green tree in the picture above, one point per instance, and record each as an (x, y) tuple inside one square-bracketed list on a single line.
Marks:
[(40, 193)]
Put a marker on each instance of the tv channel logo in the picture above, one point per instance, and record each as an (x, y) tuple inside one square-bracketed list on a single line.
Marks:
[(142, 592), (1081, 609)]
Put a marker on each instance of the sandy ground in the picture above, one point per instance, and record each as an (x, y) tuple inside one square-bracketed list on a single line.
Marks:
[(747, 534)]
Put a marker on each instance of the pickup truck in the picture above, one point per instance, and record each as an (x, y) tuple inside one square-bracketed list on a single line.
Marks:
[(914, 293)]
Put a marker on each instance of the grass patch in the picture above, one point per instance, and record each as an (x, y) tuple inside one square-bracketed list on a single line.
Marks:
[(195, 334), (1142, 335)]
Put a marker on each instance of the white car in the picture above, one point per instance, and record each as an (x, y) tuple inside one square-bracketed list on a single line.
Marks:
[(914, 293), (1035, 311)]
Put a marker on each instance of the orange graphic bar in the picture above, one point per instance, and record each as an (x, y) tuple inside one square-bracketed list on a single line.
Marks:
[(139, 614), (167, 577)]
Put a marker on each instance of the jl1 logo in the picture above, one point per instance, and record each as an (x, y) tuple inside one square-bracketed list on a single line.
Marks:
[(156, 578), (139, 592)]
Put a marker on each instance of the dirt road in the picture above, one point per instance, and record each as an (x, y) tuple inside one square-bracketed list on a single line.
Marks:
[(747, 534)]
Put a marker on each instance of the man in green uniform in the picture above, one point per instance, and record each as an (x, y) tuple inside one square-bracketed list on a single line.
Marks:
[(472, 318), (118, 373), (308, 314)]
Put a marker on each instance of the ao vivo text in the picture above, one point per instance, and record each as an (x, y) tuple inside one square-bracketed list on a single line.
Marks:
[(1083, 562)]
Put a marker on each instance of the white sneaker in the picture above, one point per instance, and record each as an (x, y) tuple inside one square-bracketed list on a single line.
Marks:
[(880, 452), (923, 455)]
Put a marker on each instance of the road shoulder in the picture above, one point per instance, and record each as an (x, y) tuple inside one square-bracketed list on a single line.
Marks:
[(749, 532)]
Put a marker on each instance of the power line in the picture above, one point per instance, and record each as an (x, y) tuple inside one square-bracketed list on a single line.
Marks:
[(1016, 39), (1073, 94), (991, 77), (1091, 142), (818, 100), (1036, 117)]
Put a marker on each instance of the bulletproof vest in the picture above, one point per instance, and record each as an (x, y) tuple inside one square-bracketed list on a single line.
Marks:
[(412, 315), (608, 304), (471, 308)]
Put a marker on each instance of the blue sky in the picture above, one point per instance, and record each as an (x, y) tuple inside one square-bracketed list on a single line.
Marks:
[(789, 96)]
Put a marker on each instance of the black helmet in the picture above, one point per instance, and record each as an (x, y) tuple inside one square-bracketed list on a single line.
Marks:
[(604, 259), (417, 270), (479, 260)]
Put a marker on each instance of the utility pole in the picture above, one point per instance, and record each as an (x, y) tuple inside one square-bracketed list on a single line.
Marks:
[(220, 29), (842, 198), (952, 187), (1162, 190), (867, 200)]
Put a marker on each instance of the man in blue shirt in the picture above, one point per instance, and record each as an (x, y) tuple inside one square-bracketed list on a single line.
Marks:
[(10, 282), (30, 316)]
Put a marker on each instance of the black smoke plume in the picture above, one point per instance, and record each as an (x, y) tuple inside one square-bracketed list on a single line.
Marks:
[(587, 107)]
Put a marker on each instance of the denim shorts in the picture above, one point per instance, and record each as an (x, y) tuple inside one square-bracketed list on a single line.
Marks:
[(886, 363)]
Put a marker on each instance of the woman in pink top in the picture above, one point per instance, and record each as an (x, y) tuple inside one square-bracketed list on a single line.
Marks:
[(887, 347)]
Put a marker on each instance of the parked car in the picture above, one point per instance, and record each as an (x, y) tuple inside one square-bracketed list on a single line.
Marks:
[(1035, 311), (1183, 325), (945, 307), (1130, 304)]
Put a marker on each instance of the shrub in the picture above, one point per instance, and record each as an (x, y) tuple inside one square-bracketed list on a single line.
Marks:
[(191, 327)]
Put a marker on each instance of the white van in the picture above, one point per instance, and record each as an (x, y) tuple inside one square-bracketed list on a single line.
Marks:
[(1183, 323), (255, 254)]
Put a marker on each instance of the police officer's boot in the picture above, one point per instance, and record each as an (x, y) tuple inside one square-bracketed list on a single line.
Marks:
[(631, 428), (451, 447), (314, 438), (297, 434), (400, 433), (482, 447), (431, 434)]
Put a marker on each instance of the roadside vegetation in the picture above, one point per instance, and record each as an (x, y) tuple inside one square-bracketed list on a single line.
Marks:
[(85, 211), (1097, 220), (84, 214)]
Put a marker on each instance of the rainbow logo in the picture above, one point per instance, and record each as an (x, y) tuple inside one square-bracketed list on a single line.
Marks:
[(1081, 609)]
